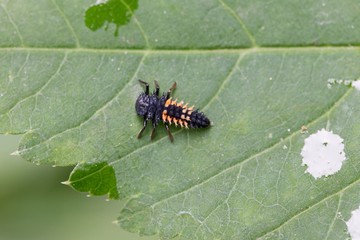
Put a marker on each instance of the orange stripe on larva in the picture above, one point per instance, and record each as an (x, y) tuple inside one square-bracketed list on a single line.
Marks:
[(164, 116), (186, 124), (181, 123), (167, 103), (175, 121), (169, 119), (180, 104)]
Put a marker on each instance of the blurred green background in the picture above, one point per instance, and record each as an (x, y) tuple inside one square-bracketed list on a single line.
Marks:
[(35, 205)]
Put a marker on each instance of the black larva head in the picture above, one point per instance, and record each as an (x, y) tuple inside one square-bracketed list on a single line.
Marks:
[(142, 104)]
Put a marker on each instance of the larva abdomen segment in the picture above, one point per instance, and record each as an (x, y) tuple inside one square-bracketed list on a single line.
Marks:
[(199, 120), (182, 115)]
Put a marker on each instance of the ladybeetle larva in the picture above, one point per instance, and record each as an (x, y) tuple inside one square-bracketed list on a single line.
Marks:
[(162, 108)]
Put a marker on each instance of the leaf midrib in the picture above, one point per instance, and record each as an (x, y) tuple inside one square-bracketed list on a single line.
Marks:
[(187, 51)]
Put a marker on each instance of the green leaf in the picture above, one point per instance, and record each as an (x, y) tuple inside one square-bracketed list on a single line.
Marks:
[(258, 70), (113, 11)]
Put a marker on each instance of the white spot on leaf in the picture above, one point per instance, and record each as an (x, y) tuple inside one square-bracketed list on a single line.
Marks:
[(100, 1), (353, 225), (323, 153), (356, 84)]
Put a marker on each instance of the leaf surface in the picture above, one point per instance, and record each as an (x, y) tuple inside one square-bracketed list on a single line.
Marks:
[(258, 70)]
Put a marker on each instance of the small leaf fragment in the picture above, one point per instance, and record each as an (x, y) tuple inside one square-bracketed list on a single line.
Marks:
[(118, 12), (96, 179)]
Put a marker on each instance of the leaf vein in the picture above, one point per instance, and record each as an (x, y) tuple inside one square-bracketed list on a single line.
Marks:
[(313, 205), (329, 48), (14, 25), (107, 103), (37, 91), (138, 24), (225, 201), (335, 217), (77, 42), (240, 21)]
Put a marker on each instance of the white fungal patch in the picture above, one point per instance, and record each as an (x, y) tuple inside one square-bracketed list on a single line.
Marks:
[(100, 1), (353, 225), (323, 153), (356, 84)]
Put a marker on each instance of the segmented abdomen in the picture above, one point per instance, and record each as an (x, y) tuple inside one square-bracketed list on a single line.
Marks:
[(182, 115)]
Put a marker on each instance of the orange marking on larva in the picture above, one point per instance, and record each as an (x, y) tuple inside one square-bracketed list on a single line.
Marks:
[(168, 102), (175, 121), (180, 104), (186, 124), (185, 106), (173, 102), (181, 123), (184, 110), (188, 118), (191, 108), (182, 116), (164, 116), (169, 119), (189, 112)]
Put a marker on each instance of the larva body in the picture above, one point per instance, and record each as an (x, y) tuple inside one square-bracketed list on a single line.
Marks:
[(164, 109)]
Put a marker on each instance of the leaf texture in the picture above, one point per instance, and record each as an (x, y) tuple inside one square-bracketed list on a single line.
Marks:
[(258, 70)]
